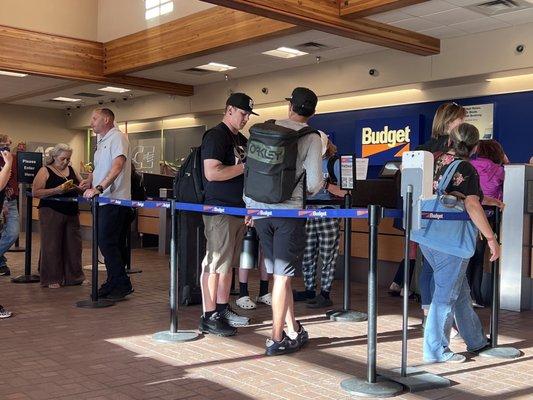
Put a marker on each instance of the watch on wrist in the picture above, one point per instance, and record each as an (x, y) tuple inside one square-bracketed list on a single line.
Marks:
[(99, 188)]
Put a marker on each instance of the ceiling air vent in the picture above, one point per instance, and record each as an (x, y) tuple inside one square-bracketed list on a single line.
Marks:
[(496, 7), (196, 71), (313, 47), (83, 94)]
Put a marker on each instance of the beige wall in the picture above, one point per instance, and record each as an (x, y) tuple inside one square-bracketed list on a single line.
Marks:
[(74, 18), (117, 18), (33, 124)]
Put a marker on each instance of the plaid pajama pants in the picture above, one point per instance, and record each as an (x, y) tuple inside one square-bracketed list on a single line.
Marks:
[(322, 238)]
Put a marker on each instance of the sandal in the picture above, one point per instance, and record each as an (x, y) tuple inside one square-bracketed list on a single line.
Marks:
[(265, 299), (245, 303)]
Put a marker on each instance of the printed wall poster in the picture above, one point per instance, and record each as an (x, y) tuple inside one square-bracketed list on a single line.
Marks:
[(482, 117)]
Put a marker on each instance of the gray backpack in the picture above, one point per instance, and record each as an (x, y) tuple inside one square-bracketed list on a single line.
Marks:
[(270, 173)]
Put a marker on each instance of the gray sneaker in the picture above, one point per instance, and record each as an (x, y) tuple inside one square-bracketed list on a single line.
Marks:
[(234, 319), (4, 313)]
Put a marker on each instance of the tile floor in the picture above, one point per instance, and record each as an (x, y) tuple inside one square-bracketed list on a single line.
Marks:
[(52, 350)]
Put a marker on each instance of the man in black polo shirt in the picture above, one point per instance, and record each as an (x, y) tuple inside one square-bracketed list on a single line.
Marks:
[(223, 157)]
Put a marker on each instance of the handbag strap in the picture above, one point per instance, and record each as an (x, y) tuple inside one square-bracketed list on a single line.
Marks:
[(447, 176)]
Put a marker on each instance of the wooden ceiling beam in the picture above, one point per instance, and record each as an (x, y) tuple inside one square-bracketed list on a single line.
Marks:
[(68, 58), (354, 9), (198, 34), (323, 15)]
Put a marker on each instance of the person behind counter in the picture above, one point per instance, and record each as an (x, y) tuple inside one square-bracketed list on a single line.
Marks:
[(59, 222)]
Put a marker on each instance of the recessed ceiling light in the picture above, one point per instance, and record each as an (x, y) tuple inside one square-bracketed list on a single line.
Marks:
[(113, 89), (66, 99), (285, 52), (16, 74), (218, 67)]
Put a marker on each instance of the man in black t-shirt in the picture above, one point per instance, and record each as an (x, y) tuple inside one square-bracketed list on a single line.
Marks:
[(223, 158)]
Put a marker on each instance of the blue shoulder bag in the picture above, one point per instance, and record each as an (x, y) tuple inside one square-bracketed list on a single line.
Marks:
[(456, 237)]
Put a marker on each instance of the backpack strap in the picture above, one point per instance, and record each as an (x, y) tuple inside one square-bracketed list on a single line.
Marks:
[(331, 169), (448, 176), (306, 130)]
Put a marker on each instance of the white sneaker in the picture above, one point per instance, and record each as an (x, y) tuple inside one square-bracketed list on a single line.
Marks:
[(246, 303), (265, 299)]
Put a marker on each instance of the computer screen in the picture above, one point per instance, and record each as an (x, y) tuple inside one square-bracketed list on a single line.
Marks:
[(390, 169)]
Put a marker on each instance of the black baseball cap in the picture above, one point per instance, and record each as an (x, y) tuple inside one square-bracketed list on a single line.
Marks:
[(303, 99), (241, 101)]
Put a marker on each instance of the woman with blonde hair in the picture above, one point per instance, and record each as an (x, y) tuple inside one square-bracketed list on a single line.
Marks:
[(447, 117), (60, 257)]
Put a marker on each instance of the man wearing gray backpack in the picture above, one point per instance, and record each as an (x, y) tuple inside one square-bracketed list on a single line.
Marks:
[(284, 164)]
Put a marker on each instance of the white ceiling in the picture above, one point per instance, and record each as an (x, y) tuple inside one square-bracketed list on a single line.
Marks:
[(438, 18)]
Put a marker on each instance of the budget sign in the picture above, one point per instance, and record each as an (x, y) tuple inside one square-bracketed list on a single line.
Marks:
[(385, 139)]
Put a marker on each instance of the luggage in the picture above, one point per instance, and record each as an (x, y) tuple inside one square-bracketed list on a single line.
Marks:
[(188, 184), (270, 172), (191, 251)]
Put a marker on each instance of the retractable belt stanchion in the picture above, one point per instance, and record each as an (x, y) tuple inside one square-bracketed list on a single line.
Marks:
[(27, 277), (494, 351), (94, 301), (374, 385), (174, 335), (346, 314), (413, 379)]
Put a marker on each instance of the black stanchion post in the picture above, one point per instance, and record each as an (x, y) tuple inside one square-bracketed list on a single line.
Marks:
[(495, 310), (406, 266), (495, 351), (27, 277), (374, 385), (174, 335), (347, 314), (94, 301), (413, 379), (233, 290)]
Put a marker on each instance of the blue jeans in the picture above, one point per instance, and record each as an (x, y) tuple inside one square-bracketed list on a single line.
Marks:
[(451, 297), (10, 233), (426, 285)]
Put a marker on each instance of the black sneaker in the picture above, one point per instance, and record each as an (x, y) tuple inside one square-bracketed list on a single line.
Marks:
[(303, 295), (216, 325), (319, 302), (5, 271), (302, 336), (118, 293), (285, 346), (234, 319), (104, 290)]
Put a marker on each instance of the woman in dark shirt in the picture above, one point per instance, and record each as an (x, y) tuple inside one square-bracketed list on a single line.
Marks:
[(60, 258), (452, 293)]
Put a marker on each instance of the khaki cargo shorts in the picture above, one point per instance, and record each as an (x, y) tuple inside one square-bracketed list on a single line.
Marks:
[(224, 234)]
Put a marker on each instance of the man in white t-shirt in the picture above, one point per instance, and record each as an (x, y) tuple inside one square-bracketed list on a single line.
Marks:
[(111, 178)]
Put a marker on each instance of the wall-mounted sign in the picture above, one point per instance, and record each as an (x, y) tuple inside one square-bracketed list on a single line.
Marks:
[(385, 139), (482, 117), (28, 164)]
